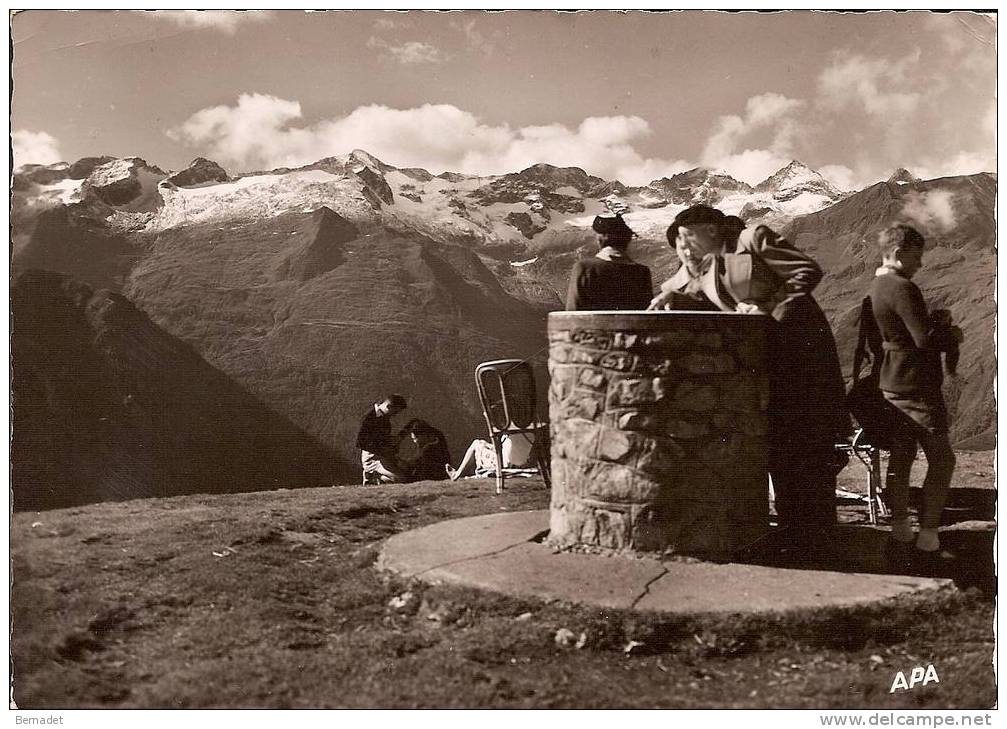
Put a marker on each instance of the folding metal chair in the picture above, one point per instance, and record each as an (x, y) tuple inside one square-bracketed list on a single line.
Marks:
[(869, 349), (507, 394), (870, 456)]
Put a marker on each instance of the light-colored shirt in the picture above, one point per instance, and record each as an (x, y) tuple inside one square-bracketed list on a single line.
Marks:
[(517, 449), (614, 255)]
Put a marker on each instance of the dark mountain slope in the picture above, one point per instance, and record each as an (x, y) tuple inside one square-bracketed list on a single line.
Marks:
[(404, 281), (955, 214), (69, 239), (383, 313), (108, 406), (952, 212)]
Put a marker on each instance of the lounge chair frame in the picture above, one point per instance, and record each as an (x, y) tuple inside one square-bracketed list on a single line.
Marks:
[(507, 393)]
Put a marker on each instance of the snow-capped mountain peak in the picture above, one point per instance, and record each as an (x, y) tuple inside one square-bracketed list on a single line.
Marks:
[(796, 174), (800, 185), (902, 175), (502, 212)]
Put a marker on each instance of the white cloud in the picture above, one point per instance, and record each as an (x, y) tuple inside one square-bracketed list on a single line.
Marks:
[(37, 148), (883, 113), (250, 133), (951, 34), (884, 110), (724, 139), (858, 119), (877, 85), (385, 23), (752, 165), (257, 133), (640, 171), (771, 107), (968, 37), (408, 53), (416, 52), (224, 21), (842, 177), (990, 122), (474, 39), (872, 114), (770, 115), (961, 163), (932, 210), (766, 112)]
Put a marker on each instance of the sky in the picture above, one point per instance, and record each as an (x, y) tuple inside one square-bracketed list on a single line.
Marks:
[(633, 96)]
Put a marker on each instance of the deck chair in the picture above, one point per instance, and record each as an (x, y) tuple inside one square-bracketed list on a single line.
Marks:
[(870, 457), (869, 409), (507, 394)]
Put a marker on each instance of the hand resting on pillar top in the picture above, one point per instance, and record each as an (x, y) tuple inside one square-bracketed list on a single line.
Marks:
[(677, 301)]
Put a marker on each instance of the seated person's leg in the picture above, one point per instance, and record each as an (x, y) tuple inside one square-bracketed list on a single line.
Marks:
[(377, 470), (387, 474), (468, 464)]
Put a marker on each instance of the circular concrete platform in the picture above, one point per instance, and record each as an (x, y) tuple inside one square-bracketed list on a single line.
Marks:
[(501, 553)]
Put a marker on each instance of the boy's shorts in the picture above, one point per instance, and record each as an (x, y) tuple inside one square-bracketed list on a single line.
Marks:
[(927, 412)]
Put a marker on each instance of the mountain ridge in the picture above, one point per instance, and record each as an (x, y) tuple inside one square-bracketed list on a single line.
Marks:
[(310, 287)]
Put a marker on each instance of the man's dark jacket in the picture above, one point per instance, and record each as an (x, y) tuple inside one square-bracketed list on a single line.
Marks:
[(600, 285), (375, 434), (912, 344)]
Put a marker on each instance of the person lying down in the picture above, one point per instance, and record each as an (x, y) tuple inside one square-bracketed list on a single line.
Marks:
[(480, 460)]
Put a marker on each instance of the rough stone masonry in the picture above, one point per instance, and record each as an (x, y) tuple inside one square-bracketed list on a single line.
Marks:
[(658, 431)]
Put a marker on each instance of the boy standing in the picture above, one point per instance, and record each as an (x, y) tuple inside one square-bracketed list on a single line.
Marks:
[(911, 378)]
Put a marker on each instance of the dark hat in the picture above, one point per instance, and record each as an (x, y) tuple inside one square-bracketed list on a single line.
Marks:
[(699, 215), (696, 215), (614, 226)]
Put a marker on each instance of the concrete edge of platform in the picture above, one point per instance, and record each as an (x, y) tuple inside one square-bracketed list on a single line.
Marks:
[(498, 553)]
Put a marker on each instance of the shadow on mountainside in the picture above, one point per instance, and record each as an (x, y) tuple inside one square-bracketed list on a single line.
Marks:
[(107, 406), (368, 312)]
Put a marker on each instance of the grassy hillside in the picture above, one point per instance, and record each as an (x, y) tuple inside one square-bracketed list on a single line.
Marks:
[(108, 406), (68, 239), (318, 319), (271, 600), (315, 316), (956, 217)]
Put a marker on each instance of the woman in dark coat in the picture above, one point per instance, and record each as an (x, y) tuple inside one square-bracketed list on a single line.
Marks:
[(754, 270), (431, 452), (610, 281)]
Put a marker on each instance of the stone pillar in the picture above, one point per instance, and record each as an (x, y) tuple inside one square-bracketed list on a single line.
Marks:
[(658, 430)]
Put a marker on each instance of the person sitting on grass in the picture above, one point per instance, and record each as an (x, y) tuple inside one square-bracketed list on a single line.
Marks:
[(377, 446), (480, 459), (432, 456)]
